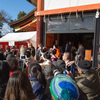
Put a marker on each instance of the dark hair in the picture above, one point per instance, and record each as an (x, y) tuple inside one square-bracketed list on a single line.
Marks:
[(43, 50), (47, 55), (28, 49), (13, 63), (54, 51), (8, 49), (13, 47), (1, 49), (4, 76), (27, 53), (15, 52), (36, 71), (19, 87), (4, 72)]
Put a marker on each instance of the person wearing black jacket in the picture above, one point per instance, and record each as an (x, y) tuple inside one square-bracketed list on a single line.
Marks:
[(32, 49), (2, 57), (4, 76)]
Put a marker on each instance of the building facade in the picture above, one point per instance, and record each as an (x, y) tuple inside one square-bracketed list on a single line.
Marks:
[(77, 21)]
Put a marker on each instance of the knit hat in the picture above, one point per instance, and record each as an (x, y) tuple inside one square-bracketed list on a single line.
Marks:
[(84, 64), (64, 88)]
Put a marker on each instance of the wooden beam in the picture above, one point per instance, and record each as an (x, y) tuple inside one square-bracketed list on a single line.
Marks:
[(40, 5), (91, 7)]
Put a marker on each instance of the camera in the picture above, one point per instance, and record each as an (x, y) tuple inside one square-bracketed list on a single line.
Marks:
[(22, 57), (55, 71)]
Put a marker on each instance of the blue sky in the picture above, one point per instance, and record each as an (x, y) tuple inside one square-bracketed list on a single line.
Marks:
[(13, 7)]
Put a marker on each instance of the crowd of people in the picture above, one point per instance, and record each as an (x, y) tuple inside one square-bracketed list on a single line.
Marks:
[(46, 74)]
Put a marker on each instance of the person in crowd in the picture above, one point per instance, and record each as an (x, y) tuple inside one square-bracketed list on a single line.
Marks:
[(42, 53), (68, 46), (63, 88), (4, 76), (53, 57), (13, 63), (73, 52), (66, 58), (2, 57), (58, 55), (46, 69), (19, 87), (28, 57), (46, 65), (37, 80), (80, 53), (13, 48), (38, 54), (7, 51), (28, 60), (17, 54), (22, 52), (32, 49), (88, 80), (58, 67)]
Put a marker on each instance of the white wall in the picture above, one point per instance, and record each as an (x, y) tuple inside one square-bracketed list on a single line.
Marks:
[(56, 4)]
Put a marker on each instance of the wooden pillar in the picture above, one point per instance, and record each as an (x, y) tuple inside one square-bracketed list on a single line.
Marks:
[(39, 30), (39, 23)]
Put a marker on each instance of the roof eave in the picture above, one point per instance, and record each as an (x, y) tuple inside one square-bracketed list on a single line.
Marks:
[(34, 2), (23, 18)]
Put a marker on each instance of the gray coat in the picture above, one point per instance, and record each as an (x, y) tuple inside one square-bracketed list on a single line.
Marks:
[(80, 52), (89, 85)]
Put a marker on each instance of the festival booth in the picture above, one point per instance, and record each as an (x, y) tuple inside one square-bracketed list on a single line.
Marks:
[(18, 39)]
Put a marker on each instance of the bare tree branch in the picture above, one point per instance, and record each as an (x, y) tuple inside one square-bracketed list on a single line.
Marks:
[(4, 17)]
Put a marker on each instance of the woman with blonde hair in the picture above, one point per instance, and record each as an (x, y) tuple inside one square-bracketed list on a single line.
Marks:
[(19, 87)]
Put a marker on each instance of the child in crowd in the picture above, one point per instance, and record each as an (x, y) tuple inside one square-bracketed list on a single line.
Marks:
[(37, 80), (19, 88)]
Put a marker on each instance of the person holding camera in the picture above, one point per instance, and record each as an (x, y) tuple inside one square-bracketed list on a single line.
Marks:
[(66, 58), (87, 81), (62, 87), (58, 67)]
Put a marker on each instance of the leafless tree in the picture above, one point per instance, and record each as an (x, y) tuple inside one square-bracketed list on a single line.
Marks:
[(4, 17)]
